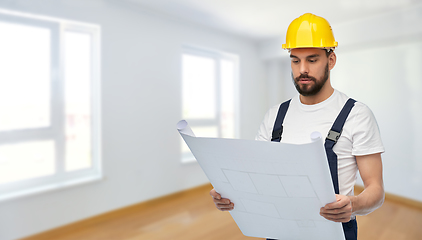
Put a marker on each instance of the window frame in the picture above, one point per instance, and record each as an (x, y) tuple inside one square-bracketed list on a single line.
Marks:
[(56, 130)]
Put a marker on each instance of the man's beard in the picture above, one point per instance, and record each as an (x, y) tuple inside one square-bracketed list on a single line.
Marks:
[(313, 89)]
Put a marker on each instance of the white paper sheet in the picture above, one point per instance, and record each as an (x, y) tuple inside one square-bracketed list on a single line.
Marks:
[(277, 188)]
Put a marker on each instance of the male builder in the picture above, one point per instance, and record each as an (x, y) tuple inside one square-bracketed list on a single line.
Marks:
[(353, 140)]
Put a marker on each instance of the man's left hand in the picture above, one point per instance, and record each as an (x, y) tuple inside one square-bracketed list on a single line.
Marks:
[(338, 211)]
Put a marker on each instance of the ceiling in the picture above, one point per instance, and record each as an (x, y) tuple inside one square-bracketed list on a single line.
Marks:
[(266, 19)]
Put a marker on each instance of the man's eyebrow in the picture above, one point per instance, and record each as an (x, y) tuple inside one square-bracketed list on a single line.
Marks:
[(313, 56), (310, 56)]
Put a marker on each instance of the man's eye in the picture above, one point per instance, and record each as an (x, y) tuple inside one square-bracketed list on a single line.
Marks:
[(312, 60), (295, 61)]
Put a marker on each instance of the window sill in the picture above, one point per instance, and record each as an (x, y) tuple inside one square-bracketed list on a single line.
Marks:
[(50, 188)]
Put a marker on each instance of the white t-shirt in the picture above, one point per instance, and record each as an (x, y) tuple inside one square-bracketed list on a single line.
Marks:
[(360, 134)]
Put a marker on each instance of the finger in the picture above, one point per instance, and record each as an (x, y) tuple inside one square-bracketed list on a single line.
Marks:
[(333, 217), (222, 201), (336, 205), (225, 207), (218, 205), (337, 215), (339, 204), (214, 194), (337, 211), (338, 208)]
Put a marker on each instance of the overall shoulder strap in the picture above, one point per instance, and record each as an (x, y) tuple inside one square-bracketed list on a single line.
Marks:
[(278, 124), (337, 128), (331, 140)]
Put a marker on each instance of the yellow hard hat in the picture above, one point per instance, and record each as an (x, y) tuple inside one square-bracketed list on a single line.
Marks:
[(309, 31)]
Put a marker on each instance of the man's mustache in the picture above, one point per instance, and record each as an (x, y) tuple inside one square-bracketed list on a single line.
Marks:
[(305, 76)]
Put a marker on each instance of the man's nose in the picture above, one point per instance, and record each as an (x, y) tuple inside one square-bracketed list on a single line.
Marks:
[(304, 69)]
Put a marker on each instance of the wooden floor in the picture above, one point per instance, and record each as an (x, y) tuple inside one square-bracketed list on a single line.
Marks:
[(192, 215)]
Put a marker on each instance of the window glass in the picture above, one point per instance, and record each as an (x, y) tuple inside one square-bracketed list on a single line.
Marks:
[(25, 80), (227, 98), (198, 87), (77, 99), (26, 160)]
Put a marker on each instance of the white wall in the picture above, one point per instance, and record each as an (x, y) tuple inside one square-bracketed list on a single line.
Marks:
[(378, 63), (280, 86), (141, 97)]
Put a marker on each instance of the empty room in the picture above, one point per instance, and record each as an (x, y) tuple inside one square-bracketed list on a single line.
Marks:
[(142, 119)]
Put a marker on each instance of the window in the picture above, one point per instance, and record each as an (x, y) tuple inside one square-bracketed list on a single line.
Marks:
[(209, 94), (49, 103)]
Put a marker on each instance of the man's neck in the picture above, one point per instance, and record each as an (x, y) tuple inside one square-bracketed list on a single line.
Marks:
[(321, 96)]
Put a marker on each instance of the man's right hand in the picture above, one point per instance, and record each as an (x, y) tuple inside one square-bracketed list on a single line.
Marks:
[(222, 204)]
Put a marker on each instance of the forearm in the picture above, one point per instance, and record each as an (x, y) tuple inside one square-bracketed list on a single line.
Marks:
[(369, 200)]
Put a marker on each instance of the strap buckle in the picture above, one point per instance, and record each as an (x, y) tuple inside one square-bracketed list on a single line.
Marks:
[(333, 135)]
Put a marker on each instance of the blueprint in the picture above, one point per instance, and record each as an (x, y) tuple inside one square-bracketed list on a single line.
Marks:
[(277, 188)]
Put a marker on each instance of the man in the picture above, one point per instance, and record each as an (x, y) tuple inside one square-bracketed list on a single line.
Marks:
[(355, 146)]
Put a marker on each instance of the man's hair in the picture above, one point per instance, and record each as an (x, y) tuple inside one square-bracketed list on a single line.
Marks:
[(327, 51)]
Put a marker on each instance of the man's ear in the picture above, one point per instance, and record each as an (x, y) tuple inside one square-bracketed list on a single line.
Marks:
[(332, 58)]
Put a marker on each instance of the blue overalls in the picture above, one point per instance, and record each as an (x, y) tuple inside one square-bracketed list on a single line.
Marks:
[(350, 228)]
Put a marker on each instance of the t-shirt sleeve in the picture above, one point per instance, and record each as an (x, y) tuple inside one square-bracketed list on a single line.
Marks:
[(366, 134), (266, 128)]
